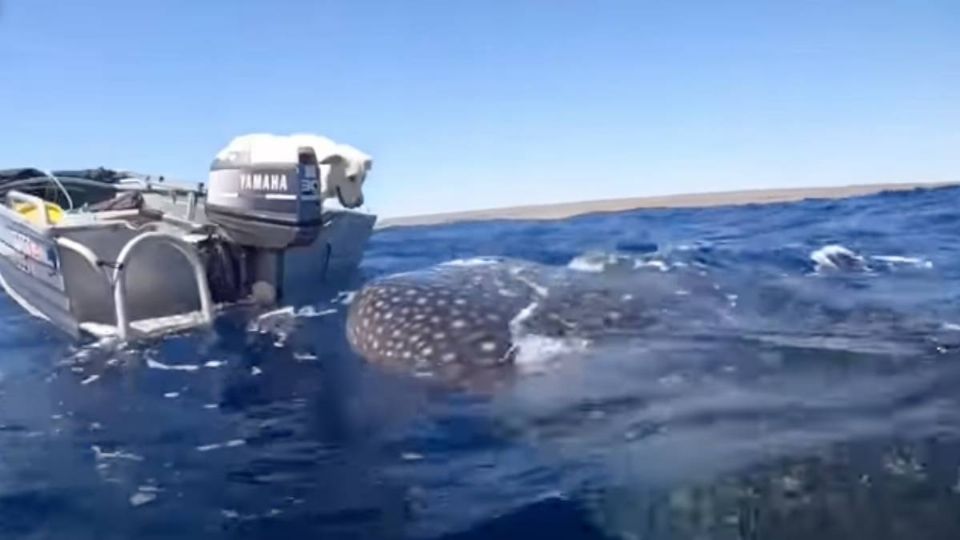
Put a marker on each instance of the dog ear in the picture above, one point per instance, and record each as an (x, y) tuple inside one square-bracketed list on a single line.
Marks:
[(333, 159)]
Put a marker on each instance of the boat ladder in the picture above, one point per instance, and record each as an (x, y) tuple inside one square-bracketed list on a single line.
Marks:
[(126, 329)]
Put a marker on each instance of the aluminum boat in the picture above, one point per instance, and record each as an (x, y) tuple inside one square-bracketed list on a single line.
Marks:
[(99, 252)]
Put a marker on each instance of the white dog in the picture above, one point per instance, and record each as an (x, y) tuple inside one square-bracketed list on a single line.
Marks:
[(343, 168)]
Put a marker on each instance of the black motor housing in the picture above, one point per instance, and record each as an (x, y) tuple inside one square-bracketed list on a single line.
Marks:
[(266, 205)]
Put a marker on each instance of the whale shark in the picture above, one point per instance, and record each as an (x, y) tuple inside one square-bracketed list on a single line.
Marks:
[(460, 317)]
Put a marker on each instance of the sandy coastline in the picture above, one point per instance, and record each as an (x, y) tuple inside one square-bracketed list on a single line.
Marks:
[(565, 210)]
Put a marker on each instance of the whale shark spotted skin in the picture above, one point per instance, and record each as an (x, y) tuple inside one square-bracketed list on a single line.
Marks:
[(455, 317), (442, 316)]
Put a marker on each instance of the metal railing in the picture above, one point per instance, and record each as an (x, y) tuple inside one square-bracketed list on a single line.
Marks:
[(85, 252), (118, 280)]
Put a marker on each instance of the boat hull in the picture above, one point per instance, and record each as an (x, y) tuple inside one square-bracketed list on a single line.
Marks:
[(60, 286), (31, 273)]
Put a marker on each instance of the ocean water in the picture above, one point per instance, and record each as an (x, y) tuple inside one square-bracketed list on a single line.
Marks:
[(813, 396)]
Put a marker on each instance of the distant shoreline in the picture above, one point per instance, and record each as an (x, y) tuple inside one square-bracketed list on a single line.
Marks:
[(693, 200)]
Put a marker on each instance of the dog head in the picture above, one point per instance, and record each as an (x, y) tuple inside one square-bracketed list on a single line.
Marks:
[(346, 174)]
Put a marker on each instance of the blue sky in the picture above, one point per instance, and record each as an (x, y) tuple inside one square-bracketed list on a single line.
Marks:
[(495, 102)]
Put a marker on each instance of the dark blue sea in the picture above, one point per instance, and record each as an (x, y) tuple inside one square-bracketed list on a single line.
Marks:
[(826, 405)]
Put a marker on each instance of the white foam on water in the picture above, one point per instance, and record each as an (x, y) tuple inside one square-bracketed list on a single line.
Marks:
[(906, 261), (171, 367), (311, 311), (118, 454), (233, 443), (276, 320), (653, 263), (255, 370), (279, 312), (533, 351), (84, 352), (600, 262), (141, 498), (951, 326), (837, 257), (171, 395), (214, 364), (271, 317), (304, 356), (90, 379), (521, 316), (144, 495), (537, 288), (472, 261), (282, 321), (583, 264)]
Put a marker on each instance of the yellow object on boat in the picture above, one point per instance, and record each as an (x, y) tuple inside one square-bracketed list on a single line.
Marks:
[(29, 211)]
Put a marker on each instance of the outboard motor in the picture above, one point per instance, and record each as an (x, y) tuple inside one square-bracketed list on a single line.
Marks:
[(266, 207)]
